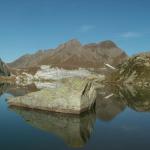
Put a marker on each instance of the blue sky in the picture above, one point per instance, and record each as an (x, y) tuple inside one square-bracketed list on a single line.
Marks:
[(29, 25)]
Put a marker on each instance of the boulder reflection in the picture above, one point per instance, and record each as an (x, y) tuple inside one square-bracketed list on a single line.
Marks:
[(74, 130)]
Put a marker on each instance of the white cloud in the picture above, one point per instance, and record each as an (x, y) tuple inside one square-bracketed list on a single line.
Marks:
[(86, 28), (130, 35)]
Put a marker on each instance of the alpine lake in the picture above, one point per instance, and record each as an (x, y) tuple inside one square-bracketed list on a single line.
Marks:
[(120, 120)]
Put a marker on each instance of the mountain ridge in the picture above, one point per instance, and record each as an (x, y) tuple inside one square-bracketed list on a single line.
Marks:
[(73, 54)]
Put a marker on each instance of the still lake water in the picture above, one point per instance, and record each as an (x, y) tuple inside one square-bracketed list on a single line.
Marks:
[(118, 122)]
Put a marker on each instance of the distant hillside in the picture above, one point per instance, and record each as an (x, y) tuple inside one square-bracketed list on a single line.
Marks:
[(72, 54)]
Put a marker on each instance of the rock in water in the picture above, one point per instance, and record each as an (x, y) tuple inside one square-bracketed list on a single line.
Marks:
[(4, 69), (70, 97)]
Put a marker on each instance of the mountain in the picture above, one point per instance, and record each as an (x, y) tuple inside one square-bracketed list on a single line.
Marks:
[(73, 54), (4, 71), (30, 60)]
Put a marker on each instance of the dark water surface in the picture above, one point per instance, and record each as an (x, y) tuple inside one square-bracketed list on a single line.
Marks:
[(120, 121)]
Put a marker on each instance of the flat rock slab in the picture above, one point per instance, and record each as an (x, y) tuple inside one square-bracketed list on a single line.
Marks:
[(70, 97)]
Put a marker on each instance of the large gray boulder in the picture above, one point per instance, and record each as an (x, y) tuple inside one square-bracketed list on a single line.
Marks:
[(74, 95)]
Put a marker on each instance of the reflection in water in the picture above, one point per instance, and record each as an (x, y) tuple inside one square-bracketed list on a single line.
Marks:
[(3, 88), (22, 90), (17, 90), (108, 107), (137, 98), (74, 130), (107, 110)]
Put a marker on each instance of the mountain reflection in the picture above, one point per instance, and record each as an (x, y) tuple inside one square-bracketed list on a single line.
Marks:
[(3, 87), (111, 100), (136, 98), (107, 110), (74, 130)]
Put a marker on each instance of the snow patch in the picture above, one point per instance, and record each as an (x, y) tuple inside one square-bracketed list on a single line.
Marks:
[(43, 85)]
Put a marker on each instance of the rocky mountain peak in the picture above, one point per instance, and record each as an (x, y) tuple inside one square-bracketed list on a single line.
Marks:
[(107, 44), (72, 43)]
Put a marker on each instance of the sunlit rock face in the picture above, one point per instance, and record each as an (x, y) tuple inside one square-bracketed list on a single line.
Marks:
[(135, 70), (4, 69), (74, 130), (70, 97)]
